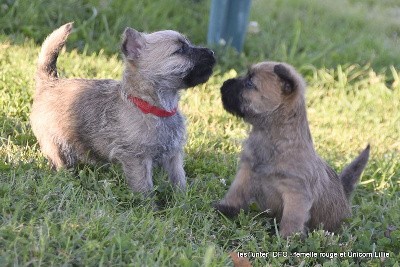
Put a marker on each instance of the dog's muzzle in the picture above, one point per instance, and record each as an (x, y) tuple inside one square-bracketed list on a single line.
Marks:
[(204, 61), (231, 94)]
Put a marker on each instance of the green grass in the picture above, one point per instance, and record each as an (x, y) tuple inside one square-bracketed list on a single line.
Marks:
[(91, 218)]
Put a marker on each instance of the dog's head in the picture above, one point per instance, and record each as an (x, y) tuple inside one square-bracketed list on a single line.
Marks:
[(167, 59), (265, 88)]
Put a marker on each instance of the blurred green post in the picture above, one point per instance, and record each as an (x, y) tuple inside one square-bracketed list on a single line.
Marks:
[(228, 22)]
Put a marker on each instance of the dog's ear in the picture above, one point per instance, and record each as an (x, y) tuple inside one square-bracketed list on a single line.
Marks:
[(288, 84), (133, 44)]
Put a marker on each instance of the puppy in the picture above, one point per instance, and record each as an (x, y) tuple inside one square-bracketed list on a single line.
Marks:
[(279, 168), (135, 121)]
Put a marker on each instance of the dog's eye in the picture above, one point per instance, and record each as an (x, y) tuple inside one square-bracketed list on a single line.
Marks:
[(249, 83), (183, 49)]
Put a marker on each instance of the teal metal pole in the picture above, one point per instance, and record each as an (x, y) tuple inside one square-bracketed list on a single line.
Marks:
[(228, 22)]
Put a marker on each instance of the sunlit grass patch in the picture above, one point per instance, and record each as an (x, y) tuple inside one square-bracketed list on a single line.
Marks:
[(88, 216)]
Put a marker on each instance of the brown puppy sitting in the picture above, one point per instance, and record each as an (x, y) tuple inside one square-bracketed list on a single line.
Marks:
[(279, 169)]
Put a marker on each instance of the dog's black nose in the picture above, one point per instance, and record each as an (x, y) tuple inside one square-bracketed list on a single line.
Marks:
[(211, 54), (229, 82)]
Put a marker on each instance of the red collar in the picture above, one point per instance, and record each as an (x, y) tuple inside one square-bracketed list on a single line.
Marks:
[(146, 107)]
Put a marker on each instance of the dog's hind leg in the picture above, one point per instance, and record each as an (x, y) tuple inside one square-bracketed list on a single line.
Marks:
[(59, 153), (52, 153)]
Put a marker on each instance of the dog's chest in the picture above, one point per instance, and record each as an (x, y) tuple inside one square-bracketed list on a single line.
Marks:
[(170, 133), (259, 155), (167, 135)]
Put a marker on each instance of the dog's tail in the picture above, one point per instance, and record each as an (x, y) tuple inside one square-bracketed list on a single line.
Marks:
[(352, 172), (47, 62)]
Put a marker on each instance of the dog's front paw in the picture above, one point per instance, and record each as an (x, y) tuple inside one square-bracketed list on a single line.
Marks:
[(228, 211)]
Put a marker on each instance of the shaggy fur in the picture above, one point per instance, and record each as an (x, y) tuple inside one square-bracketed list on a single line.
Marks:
[(279, 169), (89, 120)]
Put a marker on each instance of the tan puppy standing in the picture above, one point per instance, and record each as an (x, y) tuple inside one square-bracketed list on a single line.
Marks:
[(135, 121), (279, 169)]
